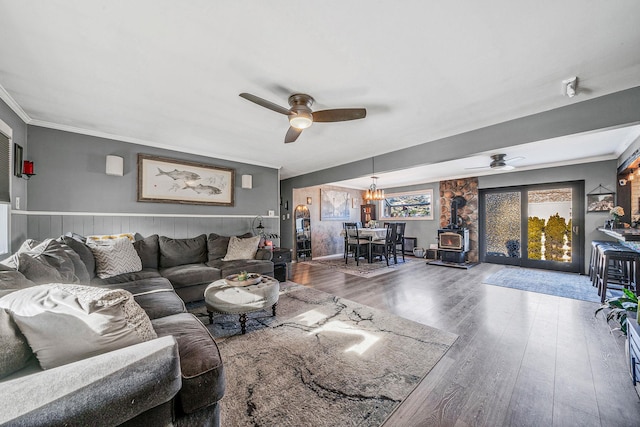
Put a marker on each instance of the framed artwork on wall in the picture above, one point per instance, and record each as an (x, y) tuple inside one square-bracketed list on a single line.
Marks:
[(334, 205), (600, 202), (165, 180), (17, 160)]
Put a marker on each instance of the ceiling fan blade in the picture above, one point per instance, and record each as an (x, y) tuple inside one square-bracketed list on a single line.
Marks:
[(479, 167), (514, 159), (339, 115), (266, 104), (292, 135)]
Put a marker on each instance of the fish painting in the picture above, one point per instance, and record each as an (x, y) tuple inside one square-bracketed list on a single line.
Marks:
[(182, 175), (206, 189)]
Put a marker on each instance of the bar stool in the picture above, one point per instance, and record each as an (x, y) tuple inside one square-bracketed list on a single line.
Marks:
[(617, 268), (593, 262)]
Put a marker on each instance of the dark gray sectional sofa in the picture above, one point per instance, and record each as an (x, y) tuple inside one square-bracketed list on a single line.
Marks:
[(175, 379)]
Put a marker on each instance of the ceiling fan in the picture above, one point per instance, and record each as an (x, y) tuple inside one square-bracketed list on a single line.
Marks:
[(301, 116), (499, 162)]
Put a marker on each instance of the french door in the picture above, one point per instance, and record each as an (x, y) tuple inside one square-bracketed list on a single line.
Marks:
[(538, 226)]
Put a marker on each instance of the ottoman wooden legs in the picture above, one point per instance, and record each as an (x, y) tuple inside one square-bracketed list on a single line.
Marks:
[(243, 323), (243, 318)]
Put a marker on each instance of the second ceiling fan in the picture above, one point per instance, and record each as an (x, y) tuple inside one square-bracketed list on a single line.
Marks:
[(301, 116)]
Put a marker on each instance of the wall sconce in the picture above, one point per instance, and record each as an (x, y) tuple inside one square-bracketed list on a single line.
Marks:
[(308, 200), (115, 166), (27, 169), (247, 181)]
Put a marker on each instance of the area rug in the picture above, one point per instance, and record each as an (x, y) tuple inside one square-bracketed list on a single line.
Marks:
[(321, 361), (566, 285), (365, 269)]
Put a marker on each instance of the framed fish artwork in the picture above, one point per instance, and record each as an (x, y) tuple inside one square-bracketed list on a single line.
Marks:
[(164, 180)]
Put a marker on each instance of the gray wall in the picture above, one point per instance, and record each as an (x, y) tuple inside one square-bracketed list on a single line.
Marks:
[(70, 179), (18, 185)]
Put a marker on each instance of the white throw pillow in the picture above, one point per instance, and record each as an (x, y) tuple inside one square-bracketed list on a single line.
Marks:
[(113, 257), (64, 323), (242, 248)]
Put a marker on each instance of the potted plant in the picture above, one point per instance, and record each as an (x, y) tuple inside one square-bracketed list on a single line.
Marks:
[(620, 308)]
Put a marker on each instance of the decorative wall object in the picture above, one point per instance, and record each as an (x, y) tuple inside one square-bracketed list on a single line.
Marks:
[(17, 160), (168, 180), (602, 202), (334, 205), (309, 200)]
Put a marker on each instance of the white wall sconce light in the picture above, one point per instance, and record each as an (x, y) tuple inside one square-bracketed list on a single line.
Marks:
[(570, 87), (247, 181), (115, 166)]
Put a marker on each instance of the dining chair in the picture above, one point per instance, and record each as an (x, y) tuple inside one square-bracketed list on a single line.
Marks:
[(385, 247), (400, 226), (354, 243)]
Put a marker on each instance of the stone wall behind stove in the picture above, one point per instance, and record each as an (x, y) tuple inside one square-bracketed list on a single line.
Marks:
[(467, 188)]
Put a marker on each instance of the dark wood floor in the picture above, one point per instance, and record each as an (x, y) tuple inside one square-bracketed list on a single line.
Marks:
[(521, 359)]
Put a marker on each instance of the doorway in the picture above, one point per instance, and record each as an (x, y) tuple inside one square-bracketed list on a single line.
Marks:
[(537, 226)]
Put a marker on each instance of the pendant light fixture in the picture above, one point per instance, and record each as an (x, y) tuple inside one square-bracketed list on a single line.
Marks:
[(373, 192)]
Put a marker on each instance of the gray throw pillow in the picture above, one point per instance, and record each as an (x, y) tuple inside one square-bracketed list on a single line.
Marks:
[(77, 243), (174, 252), (13, 280), (217, 246), (51, 252), (37, 270), (64, 323), (15, 352), (148, 250), (80, 269)]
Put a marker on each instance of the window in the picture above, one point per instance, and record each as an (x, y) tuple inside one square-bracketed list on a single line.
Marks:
[(4, 229), (5, 186), (413, 205)]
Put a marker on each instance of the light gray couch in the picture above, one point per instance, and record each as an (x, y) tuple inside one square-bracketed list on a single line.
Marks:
[(176, 379)]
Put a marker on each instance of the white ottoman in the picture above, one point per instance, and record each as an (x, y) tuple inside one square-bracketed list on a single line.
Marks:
[(219, 297)]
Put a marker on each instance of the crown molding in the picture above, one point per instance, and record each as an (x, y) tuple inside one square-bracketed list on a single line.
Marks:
[(8, 99)]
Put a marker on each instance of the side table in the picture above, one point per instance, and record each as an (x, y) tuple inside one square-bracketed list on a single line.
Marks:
[(282, 263)]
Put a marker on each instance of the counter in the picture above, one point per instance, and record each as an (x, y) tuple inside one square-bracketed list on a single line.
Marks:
[(622, 234)]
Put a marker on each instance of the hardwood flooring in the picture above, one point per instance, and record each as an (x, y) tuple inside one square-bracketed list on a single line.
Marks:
[(521, 359)]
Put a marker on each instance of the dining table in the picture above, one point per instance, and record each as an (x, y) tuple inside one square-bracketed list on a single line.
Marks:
[(371, 234)]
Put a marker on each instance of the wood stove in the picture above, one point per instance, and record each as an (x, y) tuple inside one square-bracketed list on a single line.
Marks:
[(453, 240), (453, 244)]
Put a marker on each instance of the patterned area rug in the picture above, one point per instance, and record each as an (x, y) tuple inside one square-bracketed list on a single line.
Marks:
[(322, 361), (365, 269), (566, 285)]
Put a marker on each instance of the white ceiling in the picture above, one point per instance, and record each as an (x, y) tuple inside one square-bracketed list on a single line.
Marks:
[(168, 73)]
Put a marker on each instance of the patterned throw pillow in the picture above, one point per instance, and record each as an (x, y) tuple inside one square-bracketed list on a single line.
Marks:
[(103, 237), (64, 323), (242, 248), (114, 257)]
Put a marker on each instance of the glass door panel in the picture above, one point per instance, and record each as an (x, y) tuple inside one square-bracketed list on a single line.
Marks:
[(550, 228), (502, 225)]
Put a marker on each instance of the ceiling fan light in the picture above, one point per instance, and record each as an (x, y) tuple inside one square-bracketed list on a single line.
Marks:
[(505, 168), (301, 120)]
